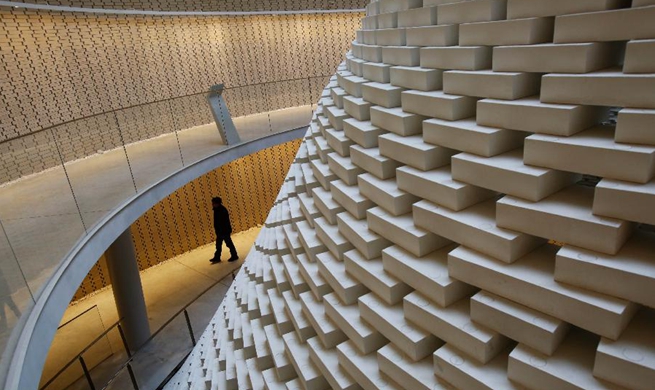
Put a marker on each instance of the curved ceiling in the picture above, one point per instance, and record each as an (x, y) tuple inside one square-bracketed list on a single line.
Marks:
[(210, 5)]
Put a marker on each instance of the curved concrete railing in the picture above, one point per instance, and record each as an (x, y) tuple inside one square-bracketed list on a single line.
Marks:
[(28, 346)]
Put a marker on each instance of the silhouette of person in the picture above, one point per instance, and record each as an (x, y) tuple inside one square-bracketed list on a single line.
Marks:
[(223, 229)]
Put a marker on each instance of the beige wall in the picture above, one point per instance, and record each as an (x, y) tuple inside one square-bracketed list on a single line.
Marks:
[(183, 221)]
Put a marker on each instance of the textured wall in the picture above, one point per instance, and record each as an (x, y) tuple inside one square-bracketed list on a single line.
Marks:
[(183, 221), (209, 5)]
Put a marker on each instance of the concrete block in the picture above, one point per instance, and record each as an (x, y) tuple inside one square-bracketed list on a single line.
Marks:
[(401, 231), (357, 108), (416, 78), (414, 375), (390, 321), (625, 200), (565, 216), (371, 273), (468, 136), (629, 361), (557, 58), (310, 212), (401, 55), (471, 11), (283, 366), (603, 88), (344, 168), (386, 194), (640, 56), (316, 282), (520, 323), (437, 104), (385, 95), (527, 31), (333, 239), (524, 9), (388, 20), (592, 152), (337, 95), (618, 25), (353, 85), (529, 114), (328, 207), (363, 133), (416, 17), (634, 126), (437, 36), (303, 328), (390, 37), (347, 288), (373, 162), (475, 227), (308, 373), (396, 120), (372, 53), (438, 186), (364, 368), (369, 243), (413, 151), (453, 325), (376, 72), (327, 361), (367, 37), (489, 84), (325, 329), (427, 274), (363, 337), (338, 141), (629, 274), (506, 173), (370, 22), (530, 282), (387, 6), (456, 57), (350, 198)]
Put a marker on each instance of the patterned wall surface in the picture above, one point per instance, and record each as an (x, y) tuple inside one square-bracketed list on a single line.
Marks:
[(59, 66), (183, 221), (209, 5)]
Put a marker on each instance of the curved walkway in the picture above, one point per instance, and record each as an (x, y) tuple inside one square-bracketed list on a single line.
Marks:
[(46, 222)]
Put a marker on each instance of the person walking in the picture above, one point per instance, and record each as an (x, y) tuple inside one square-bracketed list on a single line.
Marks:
[(223, 229)]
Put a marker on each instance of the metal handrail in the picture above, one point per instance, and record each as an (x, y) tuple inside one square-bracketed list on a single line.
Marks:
[(145, 104)]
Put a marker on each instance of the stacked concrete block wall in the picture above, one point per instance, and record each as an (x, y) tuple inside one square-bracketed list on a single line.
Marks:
[(435, 230)]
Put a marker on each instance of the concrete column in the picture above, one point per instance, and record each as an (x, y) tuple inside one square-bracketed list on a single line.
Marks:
[(128, 293), (222, 115)]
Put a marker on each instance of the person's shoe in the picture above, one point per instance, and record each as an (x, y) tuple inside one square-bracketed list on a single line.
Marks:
[(214, 261), (233, 258)]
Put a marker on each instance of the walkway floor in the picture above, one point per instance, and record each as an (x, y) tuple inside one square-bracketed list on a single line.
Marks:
[(167, 287), (39, 218)]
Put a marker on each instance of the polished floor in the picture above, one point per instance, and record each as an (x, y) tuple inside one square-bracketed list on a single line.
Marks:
[(168, 287), (42, 216)]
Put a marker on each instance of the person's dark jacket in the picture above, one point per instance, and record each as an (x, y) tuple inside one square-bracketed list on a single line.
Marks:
[(222, 224)]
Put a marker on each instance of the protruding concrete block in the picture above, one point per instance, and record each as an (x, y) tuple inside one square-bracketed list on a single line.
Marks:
[(414, 375), (436, 36), (344, 168), (537, 330), (396, 120), (402, 231), (385, 95), (362, 336), (630, 274), (353, 85), (640, 56), (414, 152), (373, 162), (367, 37), (369, 243), (333, 239), (457, 57), (283, 366), (371, 273), (629, 361), (438, 186), (455, 367), (303, 328), (618, 25), (635, 127), (475, 227), (357, 108), (328, 207), (416, 78), (625, 200), (416, 17), (507, 32), (592, 152), (376, 72), (387, 6), (521, 9), (345, 286), (437, 104), (401, 55), (506, 173), (390, 321), (386, 194), (363, 133), (350, 198), (327, 361), (454, 326), (529, 114), (364, 368), (603, 88), (471, 11), (530, 282), (565, 216), (308, 373), (325, 329), (468, 136), (388, 20), (338, 142), (372, 53), (316, 282), (489, 84), (556, 58), (569, 367), (390, 37), (428, 274), (370, 22), (337, 96)]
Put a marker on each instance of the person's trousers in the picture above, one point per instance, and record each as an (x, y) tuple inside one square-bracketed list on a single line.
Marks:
[(228, 243)]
